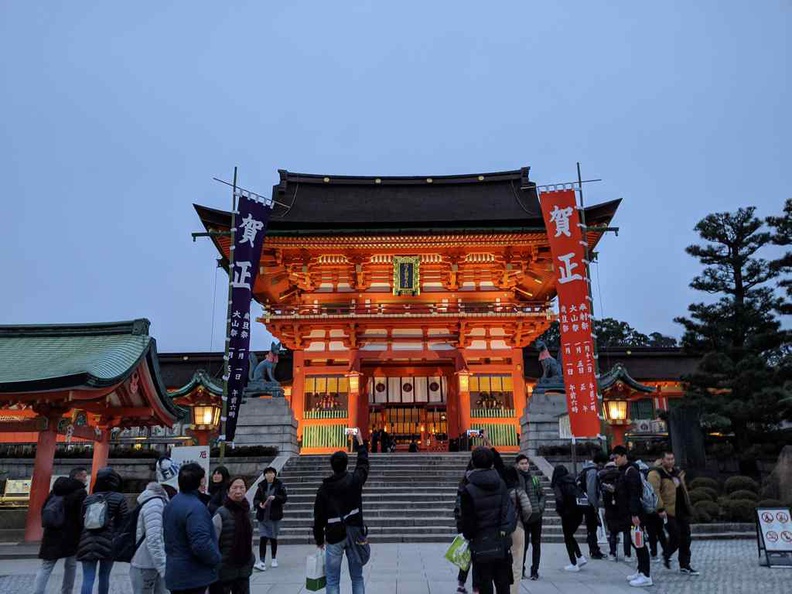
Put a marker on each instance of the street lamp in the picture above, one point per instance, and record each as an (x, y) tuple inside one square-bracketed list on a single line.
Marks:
[(464, 380), (354, 381)]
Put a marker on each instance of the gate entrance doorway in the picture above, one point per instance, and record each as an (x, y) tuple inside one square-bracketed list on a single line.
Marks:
[(409, 411)]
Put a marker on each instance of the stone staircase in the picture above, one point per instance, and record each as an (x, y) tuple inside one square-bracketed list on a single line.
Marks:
[(407, 497)]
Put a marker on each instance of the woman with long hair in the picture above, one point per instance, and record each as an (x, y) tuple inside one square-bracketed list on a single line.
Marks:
[(235, 534), (566, 496), (218, 488)]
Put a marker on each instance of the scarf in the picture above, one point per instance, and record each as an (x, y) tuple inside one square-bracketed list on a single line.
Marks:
[(242, 548)]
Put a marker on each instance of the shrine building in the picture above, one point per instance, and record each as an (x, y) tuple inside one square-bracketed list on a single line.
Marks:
[(406, 302)]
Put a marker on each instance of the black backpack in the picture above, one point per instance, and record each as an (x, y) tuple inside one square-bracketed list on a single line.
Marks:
[(125, 545), (54, 513)]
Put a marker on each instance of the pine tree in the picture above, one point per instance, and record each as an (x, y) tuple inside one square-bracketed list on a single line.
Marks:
[(612, 333), (738, 336), (782, 236)]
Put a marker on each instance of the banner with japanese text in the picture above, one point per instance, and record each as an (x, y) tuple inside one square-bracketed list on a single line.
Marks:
[(567, 247), (252, 217)]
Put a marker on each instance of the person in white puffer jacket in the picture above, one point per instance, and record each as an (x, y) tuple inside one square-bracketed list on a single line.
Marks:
[(147, 568)]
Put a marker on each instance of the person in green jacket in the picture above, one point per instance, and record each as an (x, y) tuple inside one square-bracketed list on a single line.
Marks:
[(533, 525)]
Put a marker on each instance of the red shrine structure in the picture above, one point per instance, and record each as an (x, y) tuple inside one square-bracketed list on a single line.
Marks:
[(76, 383), (406, 301)]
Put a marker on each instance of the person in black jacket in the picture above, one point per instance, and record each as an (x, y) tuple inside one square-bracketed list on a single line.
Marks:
[(566, 497), (60, 542), (617, 518), (628, 499), (268, 503), (96, 544), (487, 512), (218, 489), (339, 503)]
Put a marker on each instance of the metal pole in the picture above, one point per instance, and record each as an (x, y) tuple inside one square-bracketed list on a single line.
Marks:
[(226, 361), (591, 309)]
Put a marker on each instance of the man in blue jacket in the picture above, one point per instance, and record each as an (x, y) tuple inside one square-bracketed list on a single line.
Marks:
[(191, 551)]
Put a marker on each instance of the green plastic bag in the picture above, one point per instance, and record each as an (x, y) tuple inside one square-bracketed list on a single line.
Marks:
[(459, 553)]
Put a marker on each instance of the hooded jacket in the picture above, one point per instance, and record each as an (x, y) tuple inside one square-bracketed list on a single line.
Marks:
[(96, 545), (486, 505), (566, 492), (151, 553), (337, 497), (58, 543), (192, 556)]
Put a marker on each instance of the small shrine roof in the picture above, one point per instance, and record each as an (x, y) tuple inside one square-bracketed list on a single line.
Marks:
[(618, 373), (200, 379), (340, 204)]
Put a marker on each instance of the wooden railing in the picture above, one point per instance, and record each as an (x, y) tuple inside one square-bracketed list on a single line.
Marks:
[(492, 413), (326, 414), (324, 436), (418, 309), (500, 434)]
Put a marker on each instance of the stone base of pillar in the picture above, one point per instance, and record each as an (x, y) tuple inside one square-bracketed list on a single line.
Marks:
[(267, 422), (539, 424)]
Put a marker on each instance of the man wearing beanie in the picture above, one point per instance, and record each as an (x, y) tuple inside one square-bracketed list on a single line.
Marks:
[(488, 519), (338, 505)]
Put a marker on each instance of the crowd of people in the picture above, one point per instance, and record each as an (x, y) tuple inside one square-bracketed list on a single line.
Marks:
[(500, 512), (188, 541), (200, 539)]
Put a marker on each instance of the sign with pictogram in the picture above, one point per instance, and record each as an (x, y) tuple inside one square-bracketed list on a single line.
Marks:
[(774, 536)]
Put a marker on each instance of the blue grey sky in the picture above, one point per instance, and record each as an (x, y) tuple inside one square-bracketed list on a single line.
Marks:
[(115, 117)]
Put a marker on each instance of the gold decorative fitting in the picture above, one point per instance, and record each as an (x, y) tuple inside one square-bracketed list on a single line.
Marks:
[(429, 180), (406, 275), (481, 178), (378, 181), (326, 180)]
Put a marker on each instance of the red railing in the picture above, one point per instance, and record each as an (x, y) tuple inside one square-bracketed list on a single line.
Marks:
[(474, 308)]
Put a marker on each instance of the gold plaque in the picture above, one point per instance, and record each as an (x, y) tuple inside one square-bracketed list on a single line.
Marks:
[(406, 275)]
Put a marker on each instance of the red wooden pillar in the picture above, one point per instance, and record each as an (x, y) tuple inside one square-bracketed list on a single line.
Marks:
[(518, 388), (101, 452), (452, 407), (201, 436), (42, 475), (363, 407), (298, 390), (618, 434)]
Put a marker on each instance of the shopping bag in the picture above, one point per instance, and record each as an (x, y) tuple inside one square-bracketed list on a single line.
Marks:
[(602, 534), (459, 553), (315, 578)]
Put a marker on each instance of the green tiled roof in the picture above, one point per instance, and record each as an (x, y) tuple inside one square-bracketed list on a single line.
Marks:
[(199, 378), (35, 358), (619, 373)]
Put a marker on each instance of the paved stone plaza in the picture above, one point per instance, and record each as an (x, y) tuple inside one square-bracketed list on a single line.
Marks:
[(727, 567)]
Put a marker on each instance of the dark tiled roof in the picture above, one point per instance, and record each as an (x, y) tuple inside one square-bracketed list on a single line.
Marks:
[(642, 363), (330, 203), (41, 357), (200, 379), (178, 369), (619, 373)]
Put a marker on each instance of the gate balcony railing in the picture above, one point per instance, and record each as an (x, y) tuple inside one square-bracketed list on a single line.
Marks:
[(492, 413), (324, 436), (326, 414)]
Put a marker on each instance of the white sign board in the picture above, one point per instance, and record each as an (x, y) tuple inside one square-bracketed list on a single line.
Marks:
[(775, 535), (564, 427), (184, 455)]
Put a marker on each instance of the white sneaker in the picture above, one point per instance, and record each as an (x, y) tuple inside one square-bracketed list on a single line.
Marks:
[(572, 568), (582, 561), (274, 563), (633, 576), (612, 557), (641, 581), (260, 566)]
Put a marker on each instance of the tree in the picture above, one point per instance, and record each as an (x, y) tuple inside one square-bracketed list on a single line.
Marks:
[(782, 236), (738, 337)]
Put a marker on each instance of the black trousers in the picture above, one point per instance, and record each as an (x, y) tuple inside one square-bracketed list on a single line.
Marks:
[(678, 539), (238, 586), (613, 541), (533, 535), (592, 521), (644, 562), (493, 573), (569, 525), (654, 528)]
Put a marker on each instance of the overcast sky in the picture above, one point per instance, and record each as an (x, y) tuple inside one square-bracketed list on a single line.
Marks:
[(115, 117)]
